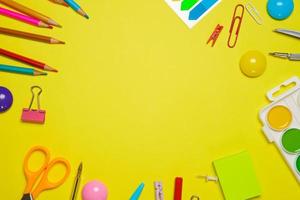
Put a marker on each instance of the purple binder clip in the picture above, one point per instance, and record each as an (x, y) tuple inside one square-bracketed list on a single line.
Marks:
[(34, 115)]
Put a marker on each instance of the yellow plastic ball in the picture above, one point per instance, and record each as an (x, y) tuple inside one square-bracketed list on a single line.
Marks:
[(253, 64)]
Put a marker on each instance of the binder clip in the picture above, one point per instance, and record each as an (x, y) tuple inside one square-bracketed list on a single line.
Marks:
[(235, 18), (159, 195), (215, 35), (34, 115), (194, 197)]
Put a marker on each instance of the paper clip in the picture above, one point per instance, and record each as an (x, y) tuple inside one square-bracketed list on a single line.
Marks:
[(254, 13), (194, 197), (34, 115), (233, 22), (159, 195), (215, 35), (209, 178)]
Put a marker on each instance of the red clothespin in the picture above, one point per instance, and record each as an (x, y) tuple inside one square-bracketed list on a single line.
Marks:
[(215, 35)]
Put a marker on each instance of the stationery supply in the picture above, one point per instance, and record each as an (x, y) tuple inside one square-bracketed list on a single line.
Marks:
[(237, 176), (280, 9), (19, 7), (26, 60), (76, 8), (30, 36), (290, 56), (38, 181), (209, 178), (254, 13), (137, 193), (237, 18), (192, 11), (291, 33), (215, 35), (194, 197), (159, 195), (6, 99), (253, 64), (178, 188), (281, 122), (61, 2), (23, 18), (94, 190), (77, 182), (34, 115), (21, 70)]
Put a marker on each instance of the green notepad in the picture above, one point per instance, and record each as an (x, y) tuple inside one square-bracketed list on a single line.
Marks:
[(237, 177)]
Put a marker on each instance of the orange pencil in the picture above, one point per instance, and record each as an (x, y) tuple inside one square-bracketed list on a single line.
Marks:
[(30, 36), (16, 6)]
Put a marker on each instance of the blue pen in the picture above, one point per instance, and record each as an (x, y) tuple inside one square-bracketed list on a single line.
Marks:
[(76, 8), (137, 193)]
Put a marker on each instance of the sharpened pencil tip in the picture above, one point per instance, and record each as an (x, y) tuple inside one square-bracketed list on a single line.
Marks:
[(86, 16)]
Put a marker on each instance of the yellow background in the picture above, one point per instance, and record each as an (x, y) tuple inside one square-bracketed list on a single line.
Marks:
[(140, 97)]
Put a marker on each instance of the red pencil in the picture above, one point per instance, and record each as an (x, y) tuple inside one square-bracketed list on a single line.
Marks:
[(26, 60)]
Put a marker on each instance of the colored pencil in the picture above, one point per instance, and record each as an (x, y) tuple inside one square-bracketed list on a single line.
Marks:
[(20, 70), (26, 60), (23, 18), (30, 36), (76, 8), (61, 2), (19, 7)]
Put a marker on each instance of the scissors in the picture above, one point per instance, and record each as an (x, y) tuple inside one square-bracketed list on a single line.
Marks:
[(292, 33), (32, 178)]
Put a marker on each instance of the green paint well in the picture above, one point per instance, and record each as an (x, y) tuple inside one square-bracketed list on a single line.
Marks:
[(188, 4), (298, 164), (291, 140)]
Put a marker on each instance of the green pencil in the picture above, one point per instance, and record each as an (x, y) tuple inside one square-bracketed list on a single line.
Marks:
[(21, 70)]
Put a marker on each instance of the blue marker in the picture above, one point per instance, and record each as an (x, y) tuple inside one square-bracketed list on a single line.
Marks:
[(201, 9), (137, 193), (76, 8)]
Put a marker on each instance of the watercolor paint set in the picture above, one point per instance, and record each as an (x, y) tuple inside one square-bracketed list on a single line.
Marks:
[(192, 11), (281, 121)]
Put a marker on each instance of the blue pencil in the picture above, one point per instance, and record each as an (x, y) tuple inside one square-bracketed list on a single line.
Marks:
[(21, 70), (137, 193), (76, 8)]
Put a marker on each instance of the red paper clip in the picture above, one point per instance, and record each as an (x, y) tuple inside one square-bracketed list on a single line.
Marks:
[(215, 35), (233, 22)]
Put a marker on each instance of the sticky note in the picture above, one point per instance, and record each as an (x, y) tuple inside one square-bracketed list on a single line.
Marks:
[(237, 177)]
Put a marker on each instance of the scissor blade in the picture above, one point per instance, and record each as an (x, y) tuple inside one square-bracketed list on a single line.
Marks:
[(288, 32), (27, 197)]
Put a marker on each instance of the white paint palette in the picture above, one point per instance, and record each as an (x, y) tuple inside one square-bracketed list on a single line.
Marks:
[(281, 122)]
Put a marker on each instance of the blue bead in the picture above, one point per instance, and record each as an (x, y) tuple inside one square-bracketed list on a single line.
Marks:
[(6, 99), (280, 9)]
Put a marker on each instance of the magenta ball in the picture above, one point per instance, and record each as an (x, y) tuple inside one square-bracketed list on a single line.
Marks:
[(94, 190)]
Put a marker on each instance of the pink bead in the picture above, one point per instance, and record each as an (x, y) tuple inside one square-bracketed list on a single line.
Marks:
[(94, 190)]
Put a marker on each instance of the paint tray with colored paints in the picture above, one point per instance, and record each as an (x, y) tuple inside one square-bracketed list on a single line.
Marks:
[(192, 11), (281, 121)]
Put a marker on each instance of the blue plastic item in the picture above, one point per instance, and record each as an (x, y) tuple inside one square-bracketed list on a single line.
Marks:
[(6, 99), (280, 9)]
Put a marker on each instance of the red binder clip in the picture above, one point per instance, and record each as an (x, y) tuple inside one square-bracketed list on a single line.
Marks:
[(235, 18), (215, 35), (34, 115)]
